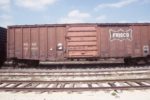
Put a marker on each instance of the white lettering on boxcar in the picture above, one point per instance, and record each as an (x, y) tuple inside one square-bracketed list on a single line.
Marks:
[(34, 44), (25, 44), (120, 34)]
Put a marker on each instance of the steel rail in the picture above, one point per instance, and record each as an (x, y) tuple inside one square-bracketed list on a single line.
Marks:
[(70, 71), (74, 82), (68, 75)]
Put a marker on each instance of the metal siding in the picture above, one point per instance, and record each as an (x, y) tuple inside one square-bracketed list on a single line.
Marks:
[(120, 45), (35, 43), (136, 43), (82, 43), (60, 37), (144, 38), (104, 42), (82, 33), (84, 28), (18, 43), (113, 48), (26, 43), (114, 44), (75, 39), (98, 41), (43, 43), (7, 44), (11, 43), (82, 40), (128, 50), (51, 43), (76, 48), (40, 42), (81, 53)]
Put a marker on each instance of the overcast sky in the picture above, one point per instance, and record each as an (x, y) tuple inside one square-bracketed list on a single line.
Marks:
[(14, 12)]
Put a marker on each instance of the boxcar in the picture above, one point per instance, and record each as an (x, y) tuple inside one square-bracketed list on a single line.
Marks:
[(65, 42), (3, 38)]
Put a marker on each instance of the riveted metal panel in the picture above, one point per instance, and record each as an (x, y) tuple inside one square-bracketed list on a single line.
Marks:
[(104, 42), (114, 47), (132, 46), (135, 45), (81, 41), (11, 43), (18, 42), (52, 43), (144, 40), (43, 34), (35, 43), (26, 43), (58, 41)]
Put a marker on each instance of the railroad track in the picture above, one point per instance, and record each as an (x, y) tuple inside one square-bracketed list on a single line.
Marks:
[(77, 73), (68, 74), (74, 70), (75, 85), (74, 80)]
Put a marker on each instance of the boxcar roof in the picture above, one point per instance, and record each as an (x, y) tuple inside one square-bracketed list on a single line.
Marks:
[(63, 25)]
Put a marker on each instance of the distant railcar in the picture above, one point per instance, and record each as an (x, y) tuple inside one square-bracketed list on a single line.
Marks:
[(66, 42), (3, 33)]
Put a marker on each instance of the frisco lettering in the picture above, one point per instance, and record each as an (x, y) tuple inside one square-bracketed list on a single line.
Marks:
[(120, 34)]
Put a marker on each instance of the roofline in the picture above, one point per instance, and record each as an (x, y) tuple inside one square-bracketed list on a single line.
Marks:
[(64, 25)]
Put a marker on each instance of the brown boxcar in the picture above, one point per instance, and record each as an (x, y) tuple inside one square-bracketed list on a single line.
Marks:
[(60, 42), (3, 38)]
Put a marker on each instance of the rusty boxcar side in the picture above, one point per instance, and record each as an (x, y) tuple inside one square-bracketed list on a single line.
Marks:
[(3, 38), (36, 42), (59, 42), (81, 41), (124, 40)]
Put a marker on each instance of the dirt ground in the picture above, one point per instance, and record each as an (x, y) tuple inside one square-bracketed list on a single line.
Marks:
[(90, 95)]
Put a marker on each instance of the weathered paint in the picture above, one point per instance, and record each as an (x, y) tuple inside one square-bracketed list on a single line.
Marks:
[(82, 40), (61, 41)]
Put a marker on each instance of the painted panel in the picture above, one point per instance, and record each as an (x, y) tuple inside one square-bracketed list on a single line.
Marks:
[(51, 43), (18, 43), (60, 46), (82, 38), (26, 43), (11, 43), (43, 43), (35, 43)]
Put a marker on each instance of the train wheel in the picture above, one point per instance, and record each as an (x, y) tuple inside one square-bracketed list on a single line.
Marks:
[(130, 61), (33, 63), (143, 61), (127, 61), (15, 63)]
